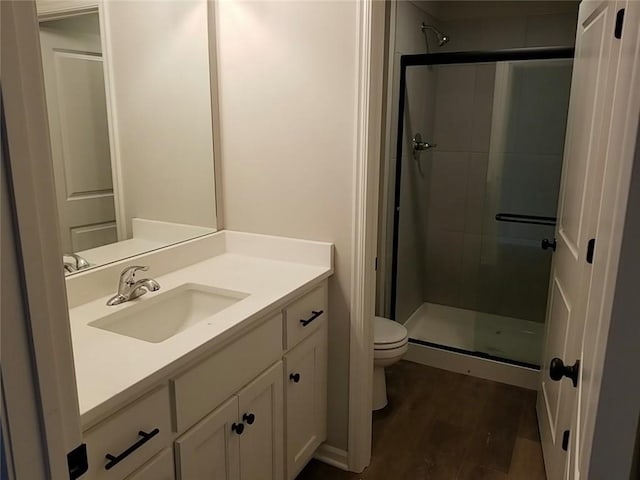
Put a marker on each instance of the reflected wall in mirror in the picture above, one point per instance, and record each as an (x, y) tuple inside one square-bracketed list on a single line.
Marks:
[(129, 100)]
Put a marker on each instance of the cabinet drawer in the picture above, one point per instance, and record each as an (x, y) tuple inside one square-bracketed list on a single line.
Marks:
[(304, 316), (202, 388), (158, 468), (119, 437)]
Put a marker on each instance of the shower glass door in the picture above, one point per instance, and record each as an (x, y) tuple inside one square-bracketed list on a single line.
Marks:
[(478, 194)]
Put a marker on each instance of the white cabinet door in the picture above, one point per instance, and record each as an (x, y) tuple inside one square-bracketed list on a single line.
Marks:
[(158, 468), (211, 449), (261, 412), (306, 400)]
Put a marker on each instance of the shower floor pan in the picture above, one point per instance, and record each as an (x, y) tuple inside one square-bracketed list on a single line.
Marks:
[(508, 338)]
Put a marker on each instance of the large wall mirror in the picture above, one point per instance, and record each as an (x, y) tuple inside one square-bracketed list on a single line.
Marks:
[(129, 100)]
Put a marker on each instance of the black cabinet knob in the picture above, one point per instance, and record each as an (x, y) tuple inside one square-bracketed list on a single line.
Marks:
[(238, 428), (249, 418), (549, 244), (294, 377), (558, 370)]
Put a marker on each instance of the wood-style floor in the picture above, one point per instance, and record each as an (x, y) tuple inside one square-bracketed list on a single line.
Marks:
[(446, 426)]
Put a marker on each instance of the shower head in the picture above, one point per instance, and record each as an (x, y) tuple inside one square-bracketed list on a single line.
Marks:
[(442, 37)]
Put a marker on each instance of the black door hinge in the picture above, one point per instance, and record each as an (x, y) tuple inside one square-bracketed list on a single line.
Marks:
[(376, 265), (565, 440), (591, 247), (619, 22), (77, 462)]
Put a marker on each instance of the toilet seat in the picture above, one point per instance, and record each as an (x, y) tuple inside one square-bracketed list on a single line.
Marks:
[(391, 346), (382, 356), (389, 335)]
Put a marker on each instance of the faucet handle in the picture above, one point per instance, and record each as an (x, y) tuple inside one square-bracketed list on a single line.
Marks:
[(129, 273)]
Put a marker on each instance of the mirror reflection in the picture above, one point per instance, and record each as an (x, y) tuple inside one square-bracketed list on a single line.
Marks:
[(129, 100)]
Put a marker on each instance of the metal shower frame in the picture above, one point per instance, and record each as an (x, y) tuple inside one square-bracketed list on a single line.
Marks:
[(543, 53)]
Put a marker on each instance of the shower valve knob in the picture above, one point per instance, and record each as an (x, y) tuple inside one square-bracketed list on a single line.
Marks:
[(558, 370), (549, 244), (419, 145)]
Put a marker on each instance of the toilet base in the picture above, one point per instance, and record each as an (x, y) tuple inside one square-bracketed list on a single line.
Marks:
[(379, 389)]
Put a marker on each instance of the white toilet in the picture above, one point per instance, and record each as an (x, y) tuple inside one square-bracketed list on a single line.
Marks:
[(391, 341)]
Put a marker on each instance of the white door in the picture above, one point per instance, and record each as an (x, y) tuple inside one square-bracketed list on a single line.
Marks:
[(610, 206), (589, 114), (261, 410), (211, 449), (306, 393), (77, 110)]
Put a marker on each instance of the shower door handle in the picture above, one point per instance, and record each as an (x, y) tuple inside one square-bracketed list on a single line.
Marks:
[(547, 244)]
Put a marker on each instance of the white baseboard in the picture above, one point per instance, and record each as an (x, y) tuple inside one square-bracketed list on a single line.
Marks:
[(478, 367), (333, 456)]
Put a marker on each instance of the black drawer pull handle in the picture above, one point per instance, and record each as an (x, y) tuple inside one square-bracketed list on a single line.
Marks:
[(312, 317), (295, 377), (114, 460), (249, 418), (238, 428)]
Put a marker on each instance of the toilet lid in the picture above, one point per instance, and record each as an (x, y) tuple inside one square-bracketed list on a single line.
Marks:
[(388, 332)]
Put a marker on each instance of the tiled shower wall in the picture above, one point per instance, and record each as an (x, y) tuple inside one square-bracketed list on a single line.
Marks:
[(419, 113), (473, 261), (447, 245), (457, 182)]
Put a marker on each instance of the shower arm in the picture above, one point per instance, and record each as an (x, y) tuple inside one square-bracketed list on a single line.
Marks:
[(442, 37)]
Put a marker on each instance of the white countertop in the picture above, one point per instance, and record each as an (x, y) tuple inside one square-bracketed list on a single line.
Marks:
[(113, 368)]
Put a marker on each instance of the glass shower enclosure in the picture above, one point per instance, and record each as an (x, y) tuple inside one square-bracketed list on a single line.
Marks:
[(479, 160)]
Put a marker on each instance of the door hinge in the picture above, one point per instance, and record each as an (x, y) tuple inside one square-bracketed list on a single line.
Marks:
[(77, 461), (619, 22), (591, 247), (376, 265), (565, 440)]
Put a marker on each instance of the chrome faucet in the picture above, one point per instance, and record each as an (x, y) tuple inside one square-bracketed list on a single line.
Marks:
[(78, 263), (130, 288)]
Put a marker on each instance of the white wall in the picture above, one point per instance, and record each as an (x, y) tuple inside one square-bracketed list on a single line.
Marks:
[(287, 77), (158, 54)]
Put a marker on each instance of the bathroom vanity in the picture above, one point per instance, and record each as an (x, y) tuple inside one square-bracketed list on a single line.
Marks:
[(220, 369), (229, 383)]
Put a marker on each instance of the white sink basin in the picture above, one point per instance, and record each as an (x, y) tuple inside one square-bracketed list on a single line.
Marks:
[(168, 313)]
